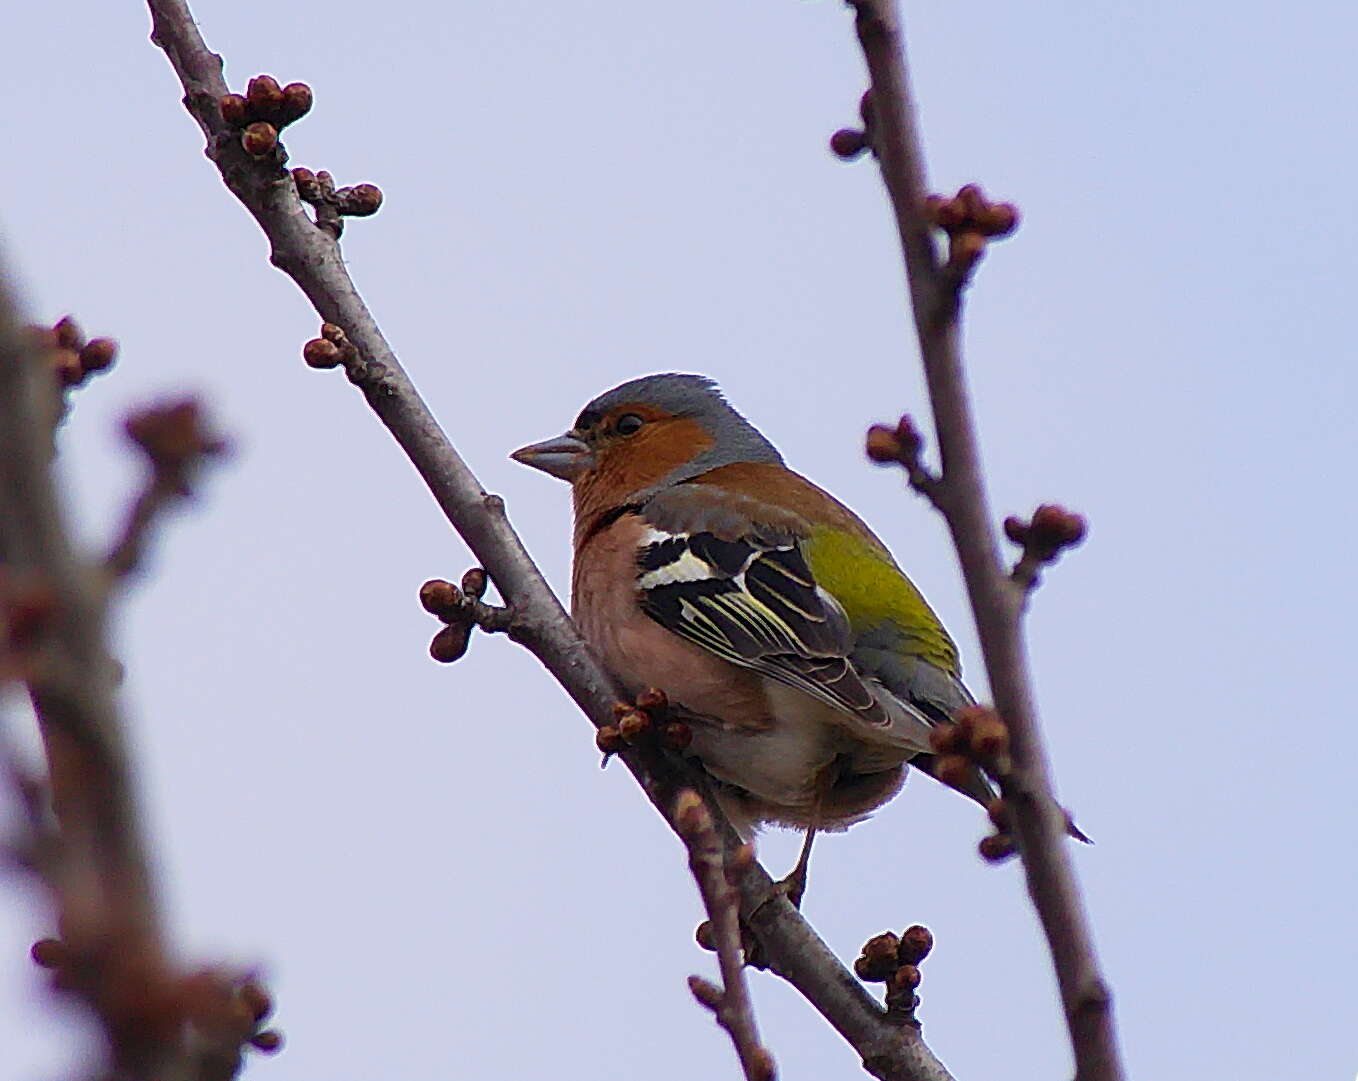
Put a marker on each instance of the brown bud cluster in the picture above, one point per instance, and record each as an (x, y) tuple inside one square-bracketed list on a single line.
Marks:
[(634, 724), (72, 358), (900, 445), (331, 203), (264, 101), (331, 349), (1051, 530), (970, 220), (642, 718), (175, 437), (450, 604), (609, 739), (977, 739), (976, 734), (878, 960), (894, 960), (849, 144)]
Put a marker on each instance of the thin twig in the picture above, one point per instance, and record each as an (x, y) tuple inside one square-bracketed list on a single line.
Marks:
[(731, 1002), (996, 599), (311, 257), (125, 557)]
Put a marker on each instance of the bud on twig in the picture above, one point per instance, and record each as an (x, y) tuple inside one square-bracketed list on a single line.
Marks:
[(609, 740), (296, 103), (450, 644), (474, 583), (319, 353), (997, 848), (706, 992), (264, 96), (259, 138), (848, 144), (234, 109), (916, 943)]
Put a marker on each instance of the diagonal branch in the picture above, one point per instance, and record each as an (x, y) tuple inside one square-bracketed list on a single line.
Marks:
[(311, 257), (996, 599)]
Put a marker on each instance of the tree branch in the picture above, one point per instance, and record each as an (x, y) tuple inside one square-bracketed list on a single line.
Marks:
[(311, 257), (730, 1003), (996, 599), (159, 1024)]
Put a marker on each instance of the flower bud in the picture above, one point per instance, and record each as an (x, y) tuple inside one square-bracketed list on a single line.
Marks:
[(235, 109), (450, 644), (259, 138), (319, 353)]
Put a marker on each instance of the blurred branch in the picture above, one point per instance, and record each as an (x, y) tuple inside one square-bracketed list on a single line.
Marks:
[(159, 1023), (997, 599), (310, 255)]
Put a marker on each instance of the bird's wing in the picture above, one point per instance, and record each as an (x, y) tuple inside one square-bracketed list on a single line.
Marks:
[(731, 576)]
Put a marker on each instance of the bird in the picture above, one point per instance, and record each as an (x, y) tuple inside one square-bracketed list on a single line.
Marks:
[(808, 667)]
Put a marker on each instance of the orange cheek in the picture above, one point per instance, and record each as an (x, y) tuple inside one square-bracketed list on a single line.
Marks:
[(631, 465)]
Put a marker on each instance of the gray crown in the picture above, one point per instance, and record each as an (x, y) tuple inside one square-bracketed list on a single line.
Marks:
[(695, 396)]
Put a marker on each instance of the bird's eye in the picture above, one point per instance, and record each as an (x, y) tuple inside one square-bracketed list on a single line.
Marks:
[(628, 424)]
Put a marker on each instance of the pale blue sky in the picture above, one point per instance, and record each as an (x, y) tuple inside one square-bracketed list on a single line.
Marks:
[(427, 860)]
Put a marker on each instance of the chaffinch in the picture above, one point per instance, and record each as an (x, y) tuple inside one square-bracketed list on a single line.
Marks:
[(809, 667)]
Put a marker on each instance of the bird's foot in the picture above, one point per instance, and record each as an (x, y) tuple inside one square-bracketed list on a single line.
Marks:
[(793, 886)]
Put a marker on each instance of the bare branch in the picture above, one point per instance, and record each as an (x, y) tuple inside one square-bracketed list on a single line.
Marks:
[(730, 1003), (310, 256), (996, 599), (158, 1023)]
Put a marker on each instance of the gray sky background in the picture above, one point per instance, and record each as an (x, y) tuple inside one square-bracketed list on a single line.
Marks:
[(437, 877)]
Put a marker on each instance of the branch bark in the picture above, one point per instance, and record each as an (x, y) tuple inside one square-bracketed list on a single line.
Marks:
[(311, 257), (996, 599)]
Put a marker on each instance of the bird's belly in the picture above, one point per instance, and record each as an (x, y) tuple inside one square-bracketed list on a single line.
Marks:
[(791, 760)]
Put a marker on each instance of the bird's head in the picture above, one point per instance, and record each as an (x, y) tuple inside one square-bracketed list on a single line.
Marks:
[(645, 435)]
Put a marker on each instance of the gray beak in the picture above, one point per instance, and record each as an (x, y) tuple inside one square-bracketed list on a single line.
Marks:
[(564, 456)]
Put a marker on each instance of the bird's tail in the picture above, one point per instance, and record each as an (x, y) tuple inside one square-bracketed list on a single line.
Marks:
[(982, 789)]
